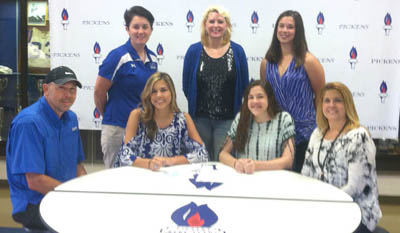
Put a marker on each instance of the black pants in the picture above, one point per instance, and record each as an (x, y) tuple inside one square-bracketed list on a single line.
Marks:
[(299, 156), (30, 218)]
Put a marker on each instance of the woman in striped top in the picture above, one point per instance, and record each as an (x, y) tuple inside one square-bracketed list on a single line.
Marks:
[(261, 136), (296, 77)]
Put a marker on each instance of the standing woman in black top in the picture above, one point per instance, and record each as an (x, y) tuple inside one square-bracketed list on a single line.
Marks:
[(215, 74)]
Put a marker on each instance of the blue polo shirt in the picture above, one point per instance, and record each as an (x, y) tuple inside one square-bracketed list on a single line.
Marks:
[(40, 142), (128, 74)]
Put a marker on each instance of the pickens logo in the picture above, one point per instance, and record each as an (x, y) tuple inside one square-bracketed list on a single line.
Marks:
[(192, 218), (254, 22)]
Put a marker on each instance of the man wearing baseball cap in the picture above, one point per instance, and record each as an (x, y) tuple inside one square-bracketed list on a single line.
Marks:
[(44, 147)]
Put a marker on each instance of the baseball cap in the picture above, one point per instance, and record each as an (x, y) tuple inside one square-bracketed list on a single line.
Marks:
[(61, 75)]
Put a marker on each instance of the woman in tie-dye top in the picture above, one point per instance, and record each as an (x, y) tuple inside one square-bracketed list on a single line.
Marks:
[(296, 77)]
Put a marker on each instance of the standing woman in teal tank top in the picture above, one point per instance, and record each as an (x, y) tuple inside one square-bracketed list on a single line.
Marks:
[(296, 77)]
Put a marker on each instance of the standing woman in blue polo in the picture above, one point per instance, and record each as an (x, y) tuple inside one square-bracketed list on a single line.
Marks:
[(215, 74), (121, 80), (296, 77)]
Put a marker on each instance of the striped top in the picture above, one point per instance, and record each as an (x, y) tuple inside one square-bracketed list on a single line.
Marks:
[(266, 140), (294, 94)]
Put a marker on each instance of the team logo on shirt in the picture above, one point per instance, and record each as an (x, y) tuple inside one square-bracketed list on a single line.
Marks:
[(388, 24), (254, 22), (353, 58), (189, 21), (383, 92), (96, 51), (96, 118), (193, 218), (64, 18), (320, 23), (160, 53)]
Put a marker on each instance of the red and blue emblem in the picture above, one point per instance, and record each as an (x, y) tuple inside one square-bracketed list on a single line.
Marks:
[(353, 57), (189, 21), (388, 24), (320, 23), (96, 118), (383, 91), (96, 52), (254, 22), (64, 18), (192, 215), (160, 53)]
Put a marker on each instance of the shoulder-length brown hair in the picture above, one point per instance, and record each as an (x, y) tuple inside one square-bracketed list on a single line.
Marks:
[(223, 13), (300, 48), (351, 113), (246, 117), (147, 115)]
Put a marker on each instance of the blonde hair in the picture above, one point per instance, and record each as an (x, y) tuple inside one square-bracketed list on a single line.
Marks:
[(351, 113), (147, 115), (223, 13)]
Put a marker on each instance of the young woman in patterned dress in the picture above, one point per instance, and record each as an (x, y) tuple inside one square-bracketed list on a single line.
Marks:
[(158, 134)]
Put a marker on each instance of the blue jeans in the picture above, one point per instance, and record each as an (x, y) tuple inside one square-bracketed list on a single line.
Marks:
[(213, 134)]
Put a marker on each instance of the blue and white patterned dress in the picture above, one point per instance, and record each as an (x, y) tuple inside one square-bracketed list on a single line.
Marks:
[(350, 166), (294, 94), (168, 142)]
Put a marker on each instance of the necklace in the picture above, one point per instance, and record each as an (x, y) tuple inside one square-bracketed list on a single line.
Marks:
[(328, 151)]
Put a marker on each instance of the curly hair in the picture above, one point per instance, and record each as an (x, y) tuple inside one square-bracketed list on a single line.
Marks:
[(147, 115), (246, 116)]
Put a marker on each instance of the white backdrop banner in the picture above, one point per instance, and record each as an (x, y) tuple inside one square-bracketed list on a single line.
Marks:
[(357, 42)]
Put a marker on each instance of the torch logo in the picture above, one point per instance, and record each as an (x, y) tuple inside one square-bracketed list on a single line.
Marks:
[(189, 21), (320, 23), (388, 24), (353, 58), (96, 118), (160, 53), (96, 50), (64, 19), (383, 91), (254, 22)]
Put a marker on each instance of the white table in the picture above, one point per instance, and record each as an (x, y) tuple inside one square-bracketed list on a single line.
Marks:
[(131, 199)]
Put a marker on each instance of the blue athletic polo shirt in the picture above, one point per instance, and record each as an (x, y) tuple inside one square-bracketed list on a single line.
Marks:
[(128, 74), (40, 142)]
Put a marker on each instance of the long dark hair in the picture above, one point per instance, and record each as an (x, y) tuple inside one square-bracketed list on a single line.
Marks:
[(274, 53), (246, 116)]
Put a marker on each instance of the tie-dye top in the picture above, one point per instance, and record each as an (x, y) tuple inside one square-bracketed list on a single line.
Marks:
[(266, 141), (168, 142), (294, 94), (350, 166)]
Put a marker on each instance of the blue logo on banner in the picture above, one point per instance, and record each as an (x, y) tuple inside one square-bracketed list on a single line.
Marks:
[(64, 18), (96, 118), (160, 53), (189, 21), (353, 58), (383, 91), (320, 23), (96, 51), (254, 22), (388, 24)]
